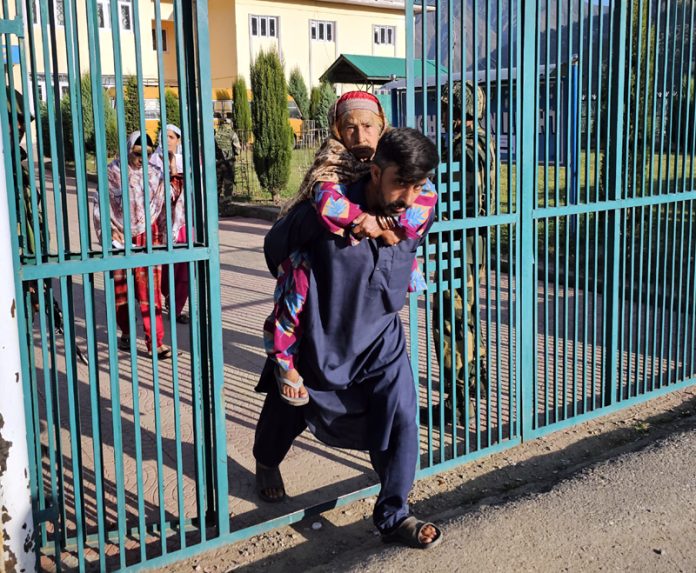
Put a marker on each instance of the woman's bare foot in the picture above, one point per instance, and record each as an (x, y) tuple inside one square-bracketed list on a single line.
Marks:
[(294, 377)]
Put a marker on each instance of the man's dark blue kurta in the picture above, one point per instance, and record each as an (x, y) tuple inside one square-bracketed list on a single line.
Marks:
[(352, 354)]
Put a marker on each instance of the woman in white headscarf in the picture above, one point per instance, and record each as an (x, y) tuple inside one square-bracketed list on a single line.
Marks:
[(176, 180), (136, 195)]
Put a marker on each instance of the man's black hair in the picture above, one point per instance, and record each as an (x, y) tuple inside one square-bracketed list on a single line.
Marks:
[(411, 151)]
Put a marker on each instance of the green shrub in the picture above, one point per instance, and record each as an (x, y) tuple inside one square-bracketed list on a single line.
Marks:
[(241, 111), (298, 90), (272, 133), (321, 100), (131, 105)]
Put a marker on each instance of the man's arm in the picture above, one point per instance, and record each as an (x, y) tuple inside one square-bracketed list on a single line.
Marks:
[(291, 233)]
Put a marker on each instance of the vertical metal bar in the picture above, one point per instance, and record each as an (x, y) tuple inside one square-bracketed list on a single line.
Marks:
[(616, 149), (463, 256), (577, 143), (137, 432), (75, 87), (547, 107), (75, 433), (410, 65), (526, 201), (659, 208), (649, 184), (163, 130), (476, 255), (450, 200), (678, 207), (669, 156), (181, 64), (691, 203), (122, 135), (498, 234), (487, 231), (513, 189), (95, 406), (142, 128), (49, 407), (195, 330), (154, 341), (683, 187), (217, 365)]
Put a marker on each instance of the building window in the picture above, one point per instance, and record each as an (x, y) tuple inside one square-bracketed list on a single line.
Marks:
[(385, 35), (322, 31), (125, 14), (64, 88), (41, 86), (164, 40), (103, 13), (60, 12), (264, 26)]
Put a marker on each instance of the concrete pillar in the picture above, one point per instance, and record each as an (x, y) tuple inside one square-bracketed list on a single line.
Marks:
[(16, 523)]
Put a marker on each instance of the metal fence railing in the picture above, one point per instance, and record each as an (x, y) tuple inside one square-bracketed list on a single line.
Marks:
[(561, 269)]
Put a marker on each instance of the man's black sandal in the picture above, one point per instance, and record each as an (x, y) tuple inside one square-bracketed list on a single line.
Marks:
[(269, 478), (408, 533)]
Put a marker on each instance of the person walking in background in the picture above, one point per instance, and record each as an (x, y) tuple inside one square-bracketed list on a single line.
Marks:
[(469, 149), (136, 191), (179, 235)]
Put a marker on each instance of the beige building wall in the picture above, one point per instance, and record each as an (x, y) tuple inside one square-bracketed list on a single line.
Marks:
[(87, 45), (353, 33), (222, 28)]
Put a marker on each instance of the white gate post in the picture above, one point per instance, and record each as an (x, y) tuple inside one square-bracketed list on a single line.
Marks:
[(16, 522)]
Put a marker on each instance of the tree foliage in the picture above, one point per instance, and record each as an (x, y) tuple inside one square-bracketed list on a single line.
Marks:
[(241, 112), (65, 113), (131, 105), (272, 131), (298, 90), (321, 100), (172, 110)]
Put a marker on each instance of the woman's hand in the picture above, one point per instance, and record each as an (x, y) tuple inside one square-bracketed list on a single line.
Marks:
[(366, 225)]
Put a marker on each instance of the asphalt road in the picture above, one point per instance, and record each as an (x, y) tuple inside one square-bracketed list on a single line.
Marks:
[(636, 512)]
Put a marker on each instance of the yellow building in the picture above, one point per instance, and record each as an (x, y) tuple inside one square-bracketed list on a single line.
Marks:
[(145, 21), (308, 34)]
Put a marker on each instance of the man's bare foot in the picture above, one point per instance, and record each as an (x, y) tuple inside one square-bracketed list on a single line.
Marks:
[(414, 533), (427, 534)]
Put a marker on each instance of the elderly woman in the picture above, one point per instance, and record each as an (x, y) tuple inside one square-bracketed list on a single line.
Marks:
[(136, 196), (357, 122), (179, 235)]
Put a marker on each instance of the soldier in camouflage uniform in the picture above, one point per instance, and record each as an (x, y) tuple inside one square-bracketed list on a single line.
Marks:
[(469, 142), (227, 148)]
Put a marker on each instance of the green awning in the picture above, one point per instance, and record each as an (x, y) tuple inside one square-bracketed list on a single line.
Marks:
[(378, 70)]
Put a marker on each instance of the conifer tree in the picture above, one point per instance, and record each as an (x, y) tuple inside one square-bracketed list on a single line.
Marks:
[(241, 112), (298, 90), (272, 132)]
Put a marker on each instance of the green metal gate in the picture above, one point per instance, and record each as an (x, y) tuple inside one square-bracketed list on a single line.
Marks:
[(96, 404), (576, 242), (561, 271)]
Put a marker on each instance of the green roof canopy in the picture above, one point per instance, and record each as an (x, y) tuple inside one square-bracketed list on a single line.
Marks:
[(351, 69)]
